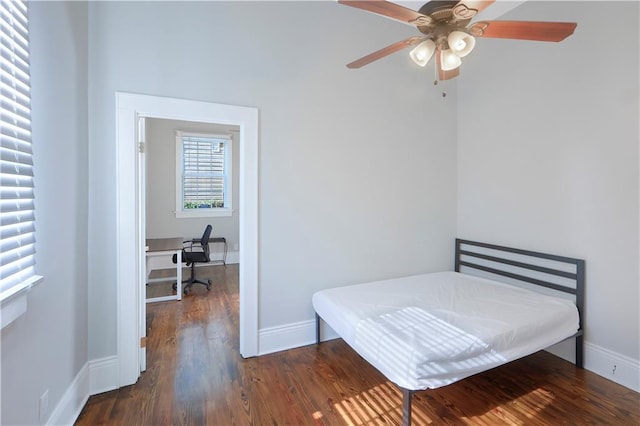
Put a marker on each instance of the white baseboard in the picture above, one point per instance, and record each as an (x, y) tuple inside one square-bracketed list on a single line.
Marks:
[(103, 375), (95, 377), (164, 262), (612, 365), (99, 375), (233, 257), (276, 339), (73, 400), (596, 359), (290, 336)]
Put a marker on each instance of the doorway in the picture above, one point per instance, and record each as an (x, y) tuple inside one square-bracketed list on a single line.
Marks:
[(130, 210), (208, 145)]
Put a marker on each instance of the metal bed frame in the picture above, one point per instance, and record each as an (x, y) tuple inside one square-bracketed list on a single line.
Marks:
[(523, 266)]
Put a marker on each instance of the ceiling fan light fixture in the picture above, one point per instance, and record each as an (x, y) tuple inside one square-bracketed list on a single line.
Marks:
[(449, 60), (423, 52), (461, 43)]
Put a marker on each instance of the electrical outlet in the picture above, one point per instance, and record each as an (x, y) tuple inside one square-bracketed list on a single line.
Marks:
[(613, 370), (44, 406)]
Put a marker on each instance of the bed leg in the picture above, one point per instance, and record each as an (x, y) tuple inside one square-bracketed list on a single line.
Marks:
[(579, 351), (406, 406), (317, 329)]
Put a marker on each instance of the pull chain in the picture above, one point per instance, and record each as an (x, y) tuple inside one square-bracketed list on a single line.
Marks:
[(435, 77)]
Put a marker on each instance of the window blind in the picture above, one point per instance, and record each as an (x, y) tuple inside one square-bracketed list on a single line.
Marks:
[(204, 171), (17, 215)]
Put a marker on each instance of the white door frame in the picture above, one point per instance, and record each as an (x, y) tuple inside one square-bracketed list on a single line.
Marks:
[(141, 221), (129, 232)]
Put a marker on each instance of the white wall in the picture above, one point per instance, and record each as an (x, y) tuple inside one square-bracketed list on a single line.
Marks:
[(161, 221), (548, 159), (357, 168), (46, 348)]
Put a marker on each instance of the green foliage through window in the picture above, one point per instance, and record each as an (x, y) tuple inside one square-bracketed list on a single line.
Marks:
[(211, 204)]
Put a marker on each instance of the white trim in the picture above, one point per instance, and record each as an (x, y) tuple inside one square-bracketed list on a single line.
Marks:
[(12, 309), (602, 362), (128, 264), (213, 212), (128, 259), (288, 336), (598, 360), (73, 400), (100, 375), (294, 335), (103, 373), (233, 257), (24, 286), (141, 220), (94, 377), (13, 301)]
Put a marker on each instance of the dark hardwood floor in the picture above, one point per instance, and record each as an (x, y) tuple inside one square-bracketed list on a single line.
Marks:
[(195, 376)]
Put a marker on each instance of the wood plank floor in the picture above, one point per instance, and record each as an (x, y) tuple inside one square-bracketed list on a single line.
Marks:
[(195, 376)]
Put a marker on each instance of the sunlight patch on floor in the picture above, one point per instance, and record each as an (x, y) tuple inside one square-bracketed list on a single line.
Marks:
[(379, 405), (528, 405), (382, 405)]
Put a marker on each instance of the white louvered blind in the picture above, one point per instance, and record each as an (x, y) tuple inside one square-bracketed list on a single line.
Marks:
[(204, 178), (17, 216)]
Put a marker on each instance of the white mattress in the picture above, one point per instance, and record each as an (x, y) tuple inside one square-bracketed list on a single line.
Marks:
[(427, 331)]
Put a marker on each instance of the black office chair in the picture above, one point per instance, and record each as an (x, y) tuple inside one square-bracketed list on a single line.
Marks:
[(195, 251)]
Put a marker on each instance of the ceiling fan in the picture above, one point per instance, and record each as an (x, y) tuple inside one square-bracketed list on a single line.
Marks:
[(446, 31)]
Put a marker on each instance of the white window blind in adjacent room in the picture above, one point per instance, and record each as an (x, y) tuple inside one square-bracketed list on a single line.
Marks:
[(204, 185), (17, 215)]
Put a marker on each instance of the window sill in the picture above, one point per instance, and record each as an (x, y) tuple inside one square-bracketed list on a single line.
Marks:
[(219, 212), (13, 302)]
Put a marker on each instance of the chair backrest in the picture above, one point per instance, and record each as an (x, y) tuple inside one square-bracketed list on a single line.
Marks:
[(205, 236)]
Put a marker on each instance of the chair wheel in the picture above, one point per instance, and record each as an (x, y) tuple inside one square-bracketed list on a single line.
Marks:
[(174, 286), (209, 286), (186, 290)]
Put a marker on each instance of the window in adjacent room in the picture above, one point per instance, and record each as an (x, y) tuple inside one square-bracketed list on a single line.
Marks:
[(17, 207), (203, 175)]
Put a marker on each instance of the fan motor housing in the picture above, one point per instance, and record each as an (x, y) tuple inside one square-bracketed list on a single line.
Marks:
[(438, 9), (444, 20)]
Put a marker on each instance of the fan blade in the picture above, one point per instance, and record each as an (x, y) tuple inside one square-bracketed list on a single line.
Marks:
[(442, 74), (390, 10), (523, 30), (385, 51), (467, 9)]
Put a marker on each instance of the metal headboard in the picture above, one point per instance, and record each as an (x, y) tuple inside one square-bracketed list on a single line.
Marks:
[(470, 254)]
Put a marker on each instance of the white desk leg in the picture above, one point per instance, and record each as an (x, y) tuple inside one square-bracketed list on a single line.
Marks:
[(179, 274)]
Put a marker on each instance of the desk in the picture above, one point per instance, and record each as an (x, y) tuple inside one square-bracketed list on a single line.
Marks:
[(159, 252)]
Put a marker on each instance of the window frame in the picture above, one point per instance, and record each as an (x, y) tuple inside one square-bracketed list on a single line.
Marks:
[(227, 210)]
